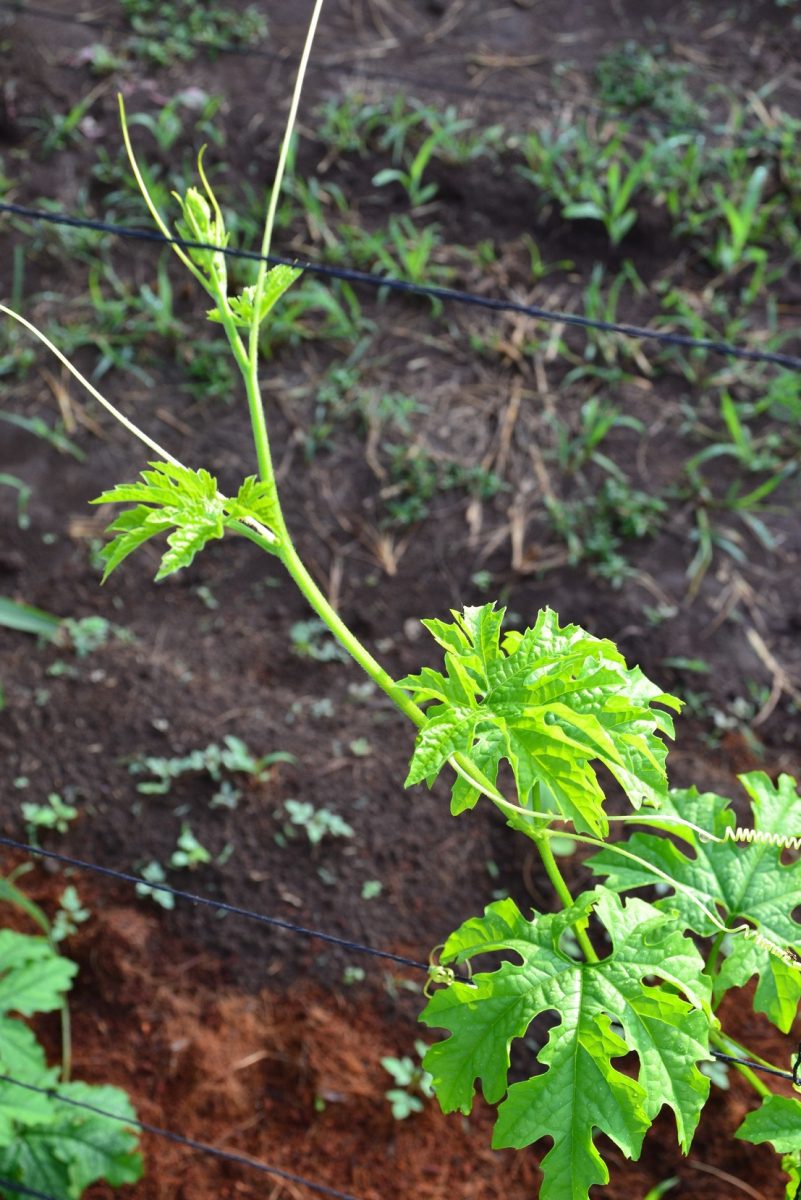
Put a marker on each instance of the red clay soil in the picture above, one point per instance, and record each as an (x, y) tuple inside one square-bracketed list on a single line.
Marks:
[(293, 1078)]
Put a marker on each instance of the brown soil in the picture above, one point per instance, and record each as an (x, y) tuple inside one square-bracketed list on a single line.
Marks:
[(221, 1029)]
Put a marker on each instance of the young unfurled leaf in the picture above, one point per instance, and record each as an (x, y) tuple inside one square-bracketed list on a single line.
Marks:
[(276, 282), (606, 1010), (201, 224), (734, 880), (187, 502), (550, 702), (254, 499)]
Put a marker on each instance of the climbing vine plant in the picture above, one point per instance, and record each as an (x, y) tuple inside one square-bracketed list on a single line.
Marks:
[(524, 720)]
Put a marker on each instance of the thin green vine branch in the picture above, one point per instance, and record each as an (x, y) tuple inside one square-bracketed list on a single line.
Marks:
[(563, 892), (730, 1046)]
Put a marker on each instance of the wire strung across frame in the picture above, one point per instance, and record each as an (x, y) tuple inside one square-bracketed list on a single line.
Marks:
[(794, 1075), (179, 1139), (217, 905), (349, 275)]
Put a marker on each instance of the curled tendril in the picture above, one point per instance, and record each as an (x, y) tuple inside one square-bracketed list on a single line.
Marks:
[(440, 975), (753, 935), (760, 837)]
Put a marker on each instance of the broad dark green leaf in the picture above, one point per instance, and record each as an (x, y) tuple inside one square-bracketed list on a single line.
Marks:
[(75, 1148), (738, 882), (606, 1009)]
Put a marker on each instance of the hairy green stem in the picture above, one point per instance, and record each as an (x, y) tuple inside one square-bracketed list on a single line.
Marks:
[(710, 967), (563, 892), (325, 611)]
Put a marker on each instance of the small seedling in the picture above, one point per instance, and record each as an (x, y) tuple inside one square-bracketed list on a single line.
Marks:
[(55, 814), (414, 1084), (317, 823), (312, 639), (69, 916), (87, 634), (189, 852), (218, 762), (153, 872)]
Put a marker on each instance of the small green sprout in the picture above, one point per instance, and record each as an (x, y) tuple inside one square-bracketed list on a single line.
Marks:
[(414, 1084), (153, 872), (317, 823), (189, 853), (55, 814), (69, 916)]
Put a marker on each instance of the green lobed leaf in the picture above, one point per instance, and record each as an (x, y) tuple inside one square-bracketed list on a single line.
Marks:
[(666, 1023), (20, 1112), (277, 281), (75, 1148), (21, 1055), (737, 881), (33, 977), (182, 503), (778, 1121), (551, 702)]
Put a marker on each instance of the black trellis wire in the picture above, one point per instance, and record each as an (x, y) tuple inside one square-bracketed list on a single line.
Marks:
[(355, 67), (218, 905), (242, 1160), (794, 1075), (348, 275)]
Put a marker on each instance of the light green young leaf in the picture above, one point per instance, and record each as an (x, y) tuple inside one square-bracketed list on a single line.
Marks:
[(187, 503), (277, 281), (740, 882), (75, 1148), (200, 224), (254, 499), (33, 978), (22, 1056), (551, 702), (580, 1091), (791, 1163)]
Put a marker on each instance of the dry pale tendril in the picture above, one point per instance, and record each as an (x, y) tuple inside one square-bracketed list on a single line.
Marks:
[(143, 437)]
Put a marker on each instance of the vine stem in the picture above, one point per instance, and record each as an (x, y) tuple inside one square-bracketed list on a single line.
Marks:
[(563, 892), (327, 613), (729, 1046), (714, 953)]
